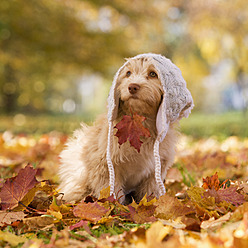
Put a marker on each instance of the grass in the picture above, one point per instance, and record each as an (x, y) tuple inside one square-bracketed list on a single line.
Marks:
[(200, 125), (197, 125)]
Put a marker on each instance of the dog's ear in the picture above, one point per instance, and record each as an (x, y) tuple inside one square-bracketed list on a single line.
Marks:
[(114, 95)]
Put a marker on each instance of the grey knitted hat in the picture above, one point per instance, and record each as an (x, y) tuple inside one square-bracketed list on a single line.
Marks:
[(177, 103)]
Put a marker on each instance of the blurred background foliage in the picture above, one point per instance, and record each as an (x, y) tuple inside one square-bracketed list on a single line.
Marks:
[(59, 56)]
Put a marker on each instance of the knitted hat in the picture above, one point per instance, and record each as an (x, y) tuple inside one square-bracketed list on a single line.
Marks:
[(176, 103)]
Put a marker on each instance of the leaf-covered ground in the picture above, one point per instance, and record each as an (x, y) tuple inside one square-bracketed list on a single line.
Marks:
[(206, 204)]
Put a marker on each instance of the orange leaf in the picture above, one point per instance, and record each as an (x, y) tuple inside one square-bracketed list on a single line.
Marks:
[(211, 182), (131, 128)]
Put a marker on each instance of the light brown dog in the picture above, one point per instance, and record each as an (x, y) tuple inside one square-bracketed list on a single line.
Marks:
[(84, 168)]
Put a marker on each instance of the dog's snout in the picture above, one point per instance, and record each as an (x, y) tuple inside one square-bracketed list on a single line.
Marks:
[(133, 88)]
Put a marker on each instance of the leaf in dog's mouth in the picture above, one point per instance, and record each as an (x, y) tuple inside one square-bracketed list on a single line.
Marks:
[(131, 128)]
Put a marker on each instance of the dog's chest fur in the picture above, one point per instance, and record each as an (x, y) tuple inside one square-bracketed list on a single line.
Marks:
[(130, 166)]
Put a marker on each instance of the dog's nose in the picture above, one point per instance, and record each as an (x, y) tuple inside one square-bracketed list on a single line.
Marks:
[(133, 88)]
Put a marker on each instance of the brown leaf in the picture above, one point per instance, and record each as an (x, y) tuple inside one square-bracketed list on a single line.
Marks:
[(142, 214), (9, 217), (191, 224), (89, 211), (228, 194), (35, 223), (131, 128), (170, 208), (15, 189)]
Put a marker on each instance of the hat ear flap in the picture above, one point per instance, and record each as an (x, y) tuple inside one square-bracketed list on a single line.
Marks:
[(162, 123), (177, 101)]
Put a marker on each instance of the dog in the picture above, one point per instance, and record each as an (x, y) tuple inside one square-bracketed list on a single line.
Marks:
[(84, 168)]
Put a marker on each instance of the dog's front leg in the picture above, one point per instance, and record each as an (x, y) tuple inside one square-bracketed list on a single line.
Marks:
[(149, 185)]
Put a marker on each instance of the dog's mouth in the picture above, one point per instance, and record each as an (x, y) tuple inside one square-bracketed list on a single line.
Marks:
[(133, 97)]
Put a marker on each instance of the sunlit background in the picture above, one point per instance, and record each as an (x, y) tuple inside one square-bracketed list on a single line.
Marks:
[(58, 57)]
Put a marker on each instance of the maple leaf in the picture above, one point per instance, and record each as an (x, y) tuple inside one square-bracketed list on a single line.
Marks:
[(142, 214), (131, 128), (9, 217), (205, 206), (89, 211), (171, 208), (228, 194), (211, 182), (16, 188)]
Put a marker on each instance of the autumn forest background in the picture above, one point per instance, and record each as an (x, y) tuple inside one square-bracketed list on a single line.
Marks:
[(59, 57), (57, 62)]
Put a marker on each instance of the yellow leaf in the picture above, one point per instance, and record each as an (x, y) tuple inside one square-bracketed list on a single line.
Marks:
[(42, 184), (154, 235), (54, 206), (107, 220), (105, 193), (146, 203), (157, 232), (56, 214), (26, 199), (11, 238)]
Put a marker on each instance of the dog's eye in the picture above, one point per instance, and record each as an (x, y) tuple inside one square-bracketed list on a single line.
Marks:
[(128, 73), (153, 74)]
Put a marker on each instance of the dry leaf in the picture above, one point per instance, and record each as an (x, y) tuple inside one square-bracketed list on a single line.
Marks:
[(81, 223), (89, 211), (11, 238), (131, 128), (228, 194), (36, 223), (9, 217), (213, 224), (211, 182), (142, 214), (171, 208), (15, 189), (154, 236)]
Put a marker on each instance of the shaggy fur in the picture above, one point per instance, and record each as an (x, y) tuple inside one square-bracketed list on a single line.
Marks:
[(84, 168)]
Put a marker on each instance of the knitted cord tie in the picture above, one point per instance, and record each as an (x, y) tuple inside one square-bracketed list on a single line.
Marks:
[(109, 161), (158, 169)]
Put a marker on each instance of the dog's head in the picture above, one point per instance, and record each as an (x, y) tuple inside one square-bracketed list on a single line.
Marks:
[(139, 88), (150, 84)]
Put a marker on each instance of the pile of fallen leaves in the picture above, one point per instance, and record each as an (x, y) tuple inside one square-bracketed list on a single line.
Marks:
[(206, 204)]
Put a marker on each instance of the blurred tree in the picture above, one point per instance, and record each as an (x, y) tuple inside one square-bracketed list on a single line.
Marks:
[(220, 30), (46, 45), (45, 40)]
